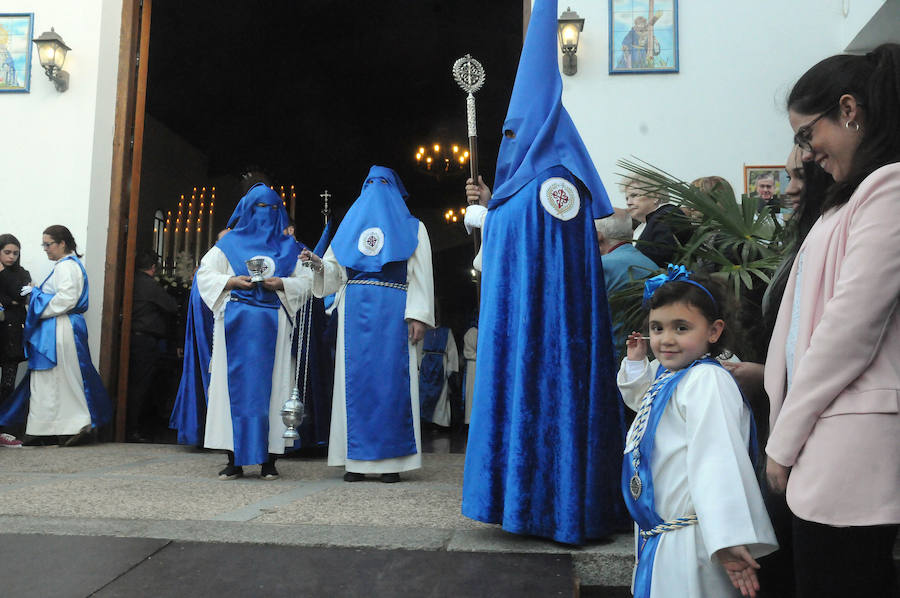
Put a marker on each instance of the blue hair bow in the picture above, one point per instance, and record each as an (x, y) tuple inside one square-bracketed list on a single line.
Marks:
[(675, 274)]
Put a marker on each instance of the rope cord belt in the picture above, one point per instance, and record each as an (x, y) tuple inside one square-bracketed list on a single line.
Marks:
[(379, 283), (670, 526)]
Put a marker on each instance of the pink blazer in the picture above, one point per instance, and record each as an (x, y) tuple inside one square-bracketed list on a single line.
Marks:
[(838, 427)]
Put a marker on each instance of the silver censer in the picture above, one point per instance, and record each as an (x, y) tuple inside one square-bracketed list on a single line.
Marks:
[(292, 413)]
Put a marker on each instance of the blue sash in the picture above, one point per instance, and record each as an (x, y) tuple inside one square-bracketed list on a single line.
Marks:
[(376, 362), (40, 347), (643, 510), (431, 370)]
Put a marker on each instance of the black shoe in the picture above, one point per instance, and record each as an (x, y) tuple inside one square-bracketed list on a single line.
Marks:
[(354, 477), (390, 478), (231, 472), (38, 440), (83, 437), (268, 471)]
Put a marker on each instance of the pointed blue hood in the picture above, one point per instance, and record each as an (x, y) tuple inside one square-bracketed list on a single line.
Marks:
[(259, 221), (381, 206), (545, 135)]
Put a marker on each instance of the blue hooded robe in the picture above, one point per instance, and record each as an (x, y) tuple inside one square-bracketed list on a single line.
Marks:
[(251, 317), (546, 431), (375, 240)]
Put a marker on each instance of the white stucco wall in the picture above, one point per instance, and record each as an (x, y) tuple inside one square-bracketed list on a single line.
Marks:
[(724, 109), (56, 148)]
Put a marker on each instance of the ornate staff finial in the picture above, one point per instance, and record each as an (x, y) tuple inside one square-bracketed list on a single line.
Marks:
[(470, 76)]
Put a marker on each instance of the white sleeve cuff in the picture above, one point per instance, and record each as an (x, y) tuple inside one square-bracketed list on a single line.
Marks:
[(475, 215)]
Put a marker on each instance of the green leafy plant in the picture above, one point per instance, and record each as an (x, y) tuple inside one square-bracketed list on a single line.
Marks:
[(730, 238)]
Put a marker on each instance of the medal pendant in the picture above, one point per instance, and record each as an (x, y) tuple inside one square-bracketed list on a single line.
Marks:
[(635, 486)]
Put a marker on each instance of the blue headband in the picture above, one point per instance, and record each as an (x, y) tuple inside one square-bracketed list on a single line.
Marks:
[(675, 274)]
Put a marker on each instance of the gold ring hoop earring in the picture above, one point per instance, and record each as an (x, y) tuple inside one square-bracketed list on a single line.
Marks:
[(852, 124)]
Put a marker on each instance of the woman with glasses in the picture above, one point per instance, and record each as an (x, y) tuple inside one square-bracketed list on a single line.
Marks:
[(62, 394), (831, 373)]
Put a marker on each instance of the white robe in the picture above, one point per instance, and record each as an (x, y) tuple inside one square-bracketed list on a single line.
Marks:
[(441, 416), (470, 344), (700, 465), (419, 306), (58, 405), (214, 272)]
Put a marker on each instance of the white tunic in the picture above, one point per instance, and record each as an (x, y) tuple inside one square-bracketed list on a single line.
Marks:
[(441, 416), (58, 405), (214, 272), (419, 306), (700, 465), (470, 343)]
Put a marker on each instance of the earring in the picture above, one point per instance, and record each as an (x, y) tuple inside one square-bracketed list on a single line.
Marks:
[(852, 124)]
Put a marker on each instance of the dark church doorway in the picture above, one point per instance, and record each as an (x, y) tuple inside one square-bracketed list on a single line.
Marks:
[(312, 93)]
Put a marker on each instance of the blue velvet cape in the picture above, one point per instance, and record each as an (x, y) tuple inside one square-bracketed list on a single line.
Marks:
[(547, 427), (546, 430), (40, 348)]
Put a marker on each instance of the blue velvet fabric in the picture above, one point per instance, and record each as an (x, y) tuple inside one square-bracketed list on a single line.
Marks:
[(98, 401), (431, 371), (544, 132), (381, 204), (546, 431), (376, 360), (189, 412)]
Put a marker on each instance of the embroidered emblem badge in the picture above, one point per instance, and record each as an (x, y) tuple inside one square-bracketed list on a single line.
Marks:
[(371, 241), (560, 198)]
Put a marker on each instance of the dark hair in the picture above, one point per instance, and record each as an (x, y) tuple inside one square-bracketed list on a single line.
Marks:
[(252, 175), (816, 183), (689, 294), (874, 80), (8, 239), (145, 260), (61, 234)]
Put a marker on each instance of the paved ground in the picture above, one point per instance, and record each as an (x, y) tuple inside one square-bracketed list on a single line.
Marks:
[(153, 520)]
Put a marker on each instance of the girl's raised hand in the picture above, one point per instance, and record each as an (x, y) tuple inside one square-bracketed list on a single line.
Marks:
[(636, 346)]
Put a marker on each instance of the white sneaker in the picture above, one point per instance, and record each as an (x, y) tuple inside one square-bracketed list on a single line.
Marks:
[(9, 441)]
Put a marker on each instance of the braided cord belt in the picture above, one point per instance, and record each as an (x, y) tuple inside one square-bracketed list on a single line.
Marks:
[(669, 526), (379, 283)]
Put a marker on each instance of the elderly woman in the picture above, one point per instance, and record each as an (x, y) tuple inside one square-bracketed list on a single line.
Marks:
[(662, 226), (831, 371), (62, 393)]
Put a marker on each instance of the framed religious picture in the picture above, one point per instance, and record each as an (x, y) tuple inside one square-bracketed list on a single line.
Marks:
[(767, 184), (643, 36), (16, 31)]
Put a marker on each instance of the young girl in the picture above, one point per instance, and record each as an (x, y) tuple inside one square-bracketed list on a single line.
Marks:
[(687, 477)]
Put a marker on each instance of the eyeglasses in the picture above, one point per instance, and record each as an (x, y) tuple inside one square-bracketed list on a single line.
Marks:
[(46, 245), (803, 137)]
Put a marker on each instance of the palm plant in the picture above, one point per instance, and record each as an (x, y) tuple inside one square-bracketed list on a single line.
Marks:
[(730, 239)]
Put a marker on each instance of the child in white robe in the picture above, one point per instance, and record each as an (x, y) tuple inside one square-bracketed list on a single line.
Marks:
[(688, 479)]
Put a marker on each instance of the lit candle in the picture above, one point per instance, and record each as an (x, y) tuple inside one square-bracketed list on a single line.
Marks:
[(209, 228), (166, 238)]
